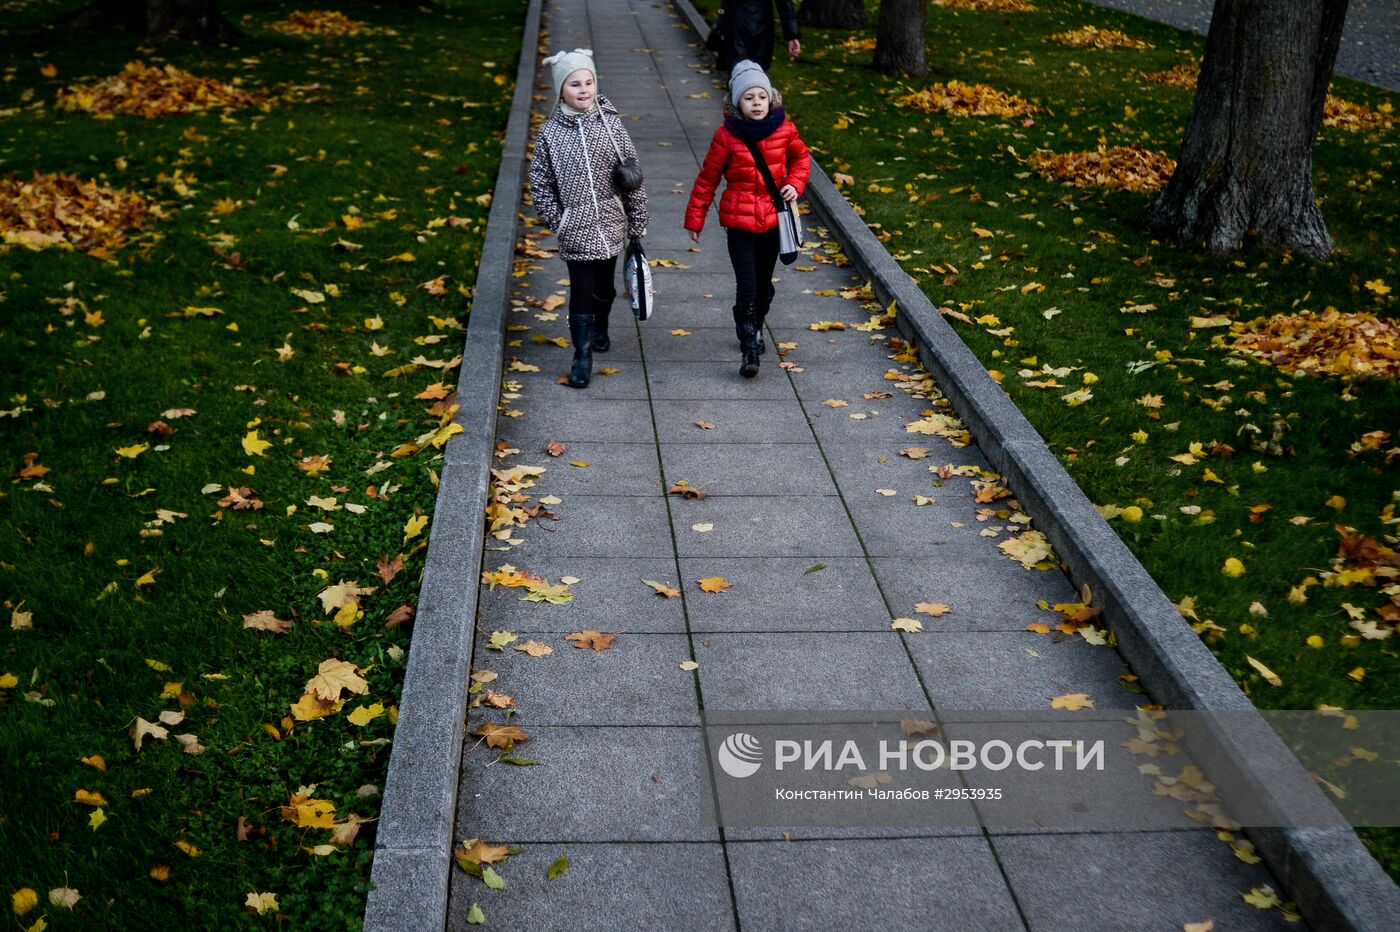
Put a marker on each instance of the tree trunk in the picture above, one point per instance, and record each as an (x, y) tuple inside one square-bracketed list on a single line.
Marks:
[(185, 20), (899, 39), (1246, 156), (832, 14)]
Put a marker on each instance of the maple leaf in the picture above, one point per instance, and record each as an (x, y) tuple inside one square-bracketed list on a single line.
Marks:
[(936, 609), (914, 453), (266, 621), (907, 625), (476, 852), (387, 569), (686, 490), (1031, 549), (500, 736), (663, 589), (715, 584), (89, 798), (334, 675), (414, 526), (309, 707), (365, 714), (534, 648), (594, 639), (1074, 702), (142, 729), (64, 897), (334, 598), (254, 446), (1262, 897), (314, 465), (305, 812), (261, 903), (133, 451), (499, 639), (241, 499)]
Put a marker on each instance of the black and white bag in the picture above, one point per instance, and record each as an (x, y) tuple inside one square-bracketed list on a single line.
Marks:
[(789, 221), (636, 273)]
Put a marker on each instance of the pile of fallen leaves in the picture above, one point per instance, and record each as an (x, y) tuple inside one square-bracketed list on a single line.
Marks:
[(1336, 112), (65, 211), (959, 99), (1182, 75), (1123, 168), (1095, 38), (999, 6), (1332, 342), (1343, 114), (154, 92), (320, 23), (1365, 561)]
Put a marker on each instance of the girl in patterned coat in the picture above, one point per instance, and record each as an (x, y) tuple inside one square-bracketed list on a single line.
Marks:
[(753, 114), (571, 184)]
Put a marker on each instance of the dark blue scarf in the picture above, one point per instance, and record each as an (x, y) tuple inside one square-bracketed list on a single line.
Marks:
[(755, 130)]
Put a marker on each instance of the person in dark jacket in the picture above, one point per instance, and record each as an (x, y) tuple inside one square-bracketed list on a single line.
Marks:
[(753, 114), (573, 190), (746, 27)]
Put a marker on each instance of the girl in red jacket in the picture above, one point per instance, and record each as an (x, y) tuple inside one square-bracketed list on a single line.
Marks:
[(753, 113)]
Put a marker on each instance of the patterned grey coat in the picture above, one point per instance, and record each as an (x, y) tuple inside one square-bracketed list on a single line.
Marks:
[(571, 183)]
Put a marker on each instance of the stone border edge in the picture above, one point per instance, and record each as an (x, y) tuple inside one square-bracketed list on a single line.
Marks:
[(1329, 874), (412, 864)]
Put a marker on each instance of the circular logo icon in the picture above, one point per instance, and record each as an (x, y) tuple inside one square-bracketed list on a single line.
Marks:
[(740, 755)]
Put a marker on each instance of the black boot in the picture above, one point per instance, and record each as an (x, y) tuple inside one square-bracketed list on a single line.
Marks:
[(581, 334), (747, 328), (761, 316), (741, 322), (601, 310)]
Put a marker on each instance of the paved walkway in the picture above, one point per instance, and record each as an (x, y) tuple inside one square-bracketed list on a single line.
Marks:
[(1370, 49), (792, 481)]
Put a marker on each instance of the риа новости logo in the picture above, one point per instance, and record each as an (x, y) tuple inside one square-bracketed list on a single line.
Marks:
[(740, 755)]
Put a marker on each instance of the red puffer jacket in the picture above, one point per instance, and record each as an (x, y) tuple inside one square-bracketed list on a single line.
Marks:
[(746, 203)]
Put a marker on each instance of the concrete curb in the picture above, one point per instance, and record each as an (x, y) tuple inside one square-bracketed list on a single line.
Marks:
[(412, 863), (1327, 872)]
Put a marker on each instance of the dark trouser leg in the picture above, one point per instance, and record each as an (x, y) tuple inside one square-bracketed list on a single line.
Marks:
[(604, 291), (765, 260), (741, 257), (742, 254), (582, 282)]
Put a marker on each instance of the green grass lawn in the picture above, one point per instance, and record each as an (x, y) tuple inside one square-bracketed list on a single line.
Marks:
[(928, 183), (312, 225)]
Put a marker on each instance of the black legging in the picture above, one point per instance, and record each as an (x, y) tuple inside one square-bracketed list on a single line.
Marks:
[(591, 284), (753, 256)]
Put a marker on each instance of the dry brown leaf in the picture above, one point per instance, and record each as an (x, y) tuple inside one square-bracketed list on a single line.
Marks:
[(597, 640), (266, 621)]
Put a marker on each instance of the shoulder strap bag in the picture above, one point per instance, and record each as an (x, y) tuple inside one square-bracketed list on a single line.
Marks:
[(789, 222), (627, 173)]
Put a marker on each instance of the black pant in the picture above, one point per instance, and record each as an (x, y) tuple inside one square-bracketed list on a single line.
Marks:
[(753, 256), (591, 284)]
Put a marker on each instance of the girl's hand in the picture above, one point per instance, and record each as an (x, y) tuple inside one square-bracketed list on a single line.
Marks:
[(695, 236), (794, 49), (788, 192)]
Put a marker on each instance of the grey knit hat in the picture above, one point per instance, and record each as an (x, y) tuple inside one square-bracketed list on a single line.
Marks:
[(563, 64), (745, 76)]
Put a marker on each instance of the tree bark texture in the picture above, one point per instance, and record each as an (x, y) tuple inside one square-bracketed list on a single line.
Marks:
[(184, 20), (900, 38), (1246, 156), (832, 14)]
